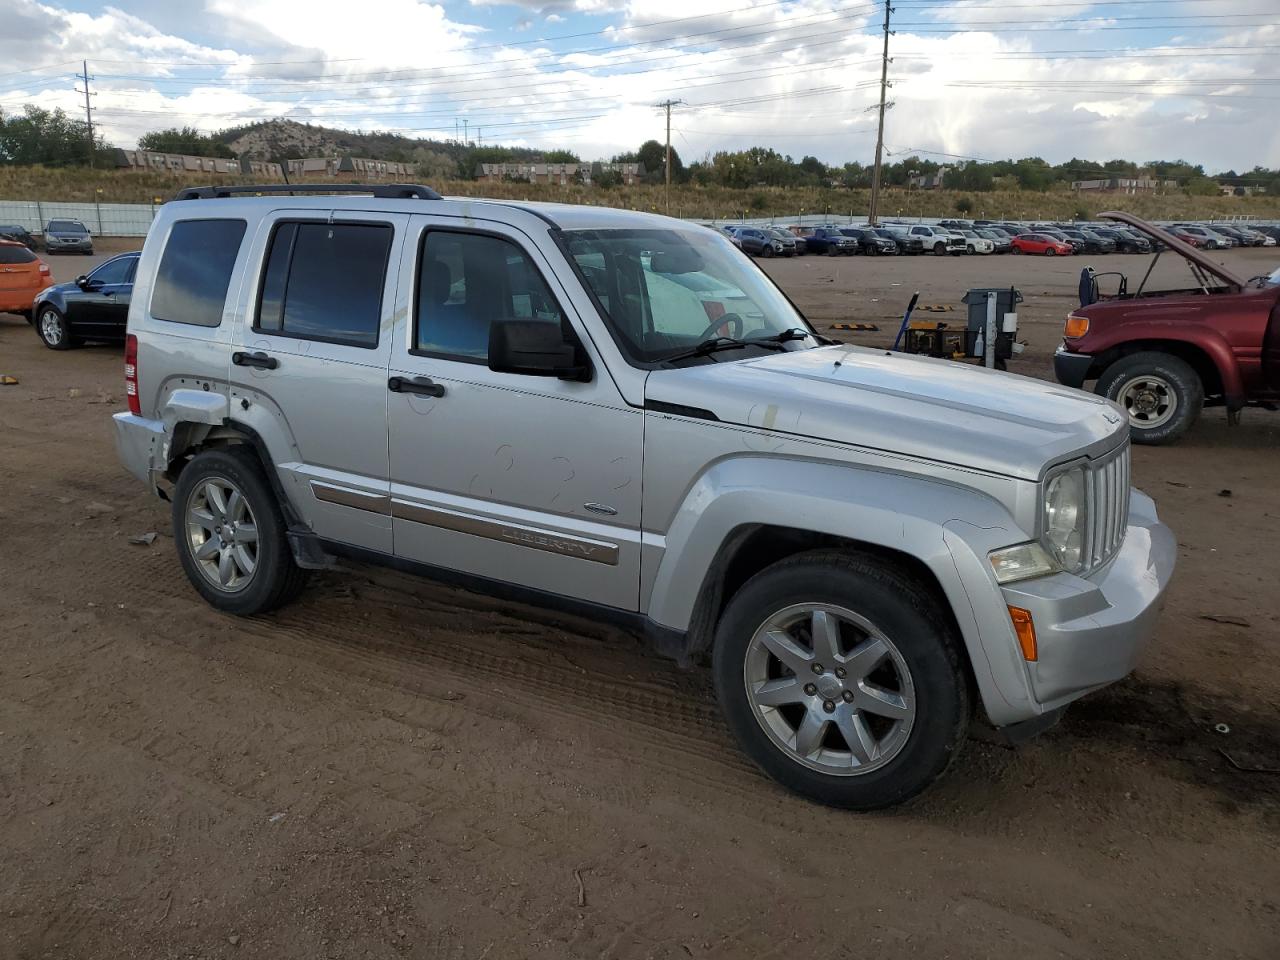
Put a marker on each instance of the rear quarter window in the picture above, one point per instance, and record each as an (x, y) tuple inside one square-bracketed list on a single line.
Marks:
[(195, 271), (16, 255)]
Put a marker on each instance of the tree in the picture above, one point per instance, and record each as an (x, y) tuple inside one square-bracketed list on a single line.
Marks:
[(187, 140), (652, 156), (964, 205), (560, 156), (969, 176), (46, 136)]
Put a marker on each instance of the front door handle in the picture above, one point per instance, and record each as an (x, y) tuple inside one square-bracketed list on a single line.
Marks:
[(422, 386), (259, 360)]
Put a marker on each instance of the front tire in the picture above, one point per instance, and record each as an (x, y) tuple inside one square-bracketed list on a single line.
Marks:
[(866, 715), (53, 329), (1162, 395), (939, 249), (230, 534)]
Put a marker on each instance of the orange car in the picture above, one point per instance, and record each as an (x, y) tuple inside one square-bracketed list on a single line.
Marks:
[(22, 276)]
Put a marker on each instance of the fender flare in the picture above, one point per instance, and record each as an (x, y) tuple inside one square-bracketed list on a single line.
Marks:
[(946, 527)]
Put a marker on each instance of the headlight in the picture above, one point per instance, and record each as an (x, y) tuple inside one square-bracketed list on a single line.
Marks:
[(1064, 520), (1021, 562)]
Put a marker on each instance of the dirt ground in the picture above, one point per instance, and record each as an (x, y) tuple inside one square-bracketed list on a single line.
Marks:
[(392, 769)]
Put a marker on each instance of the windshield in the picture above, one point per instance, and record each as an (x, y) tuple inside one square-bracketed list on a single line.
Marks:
[(665, 291), (67, 226)]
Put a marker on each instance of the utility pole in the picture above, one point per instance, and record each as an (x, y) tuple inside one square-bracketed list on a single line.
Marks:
[(88, 110), (668, 104), (884, 87), (466, 135)]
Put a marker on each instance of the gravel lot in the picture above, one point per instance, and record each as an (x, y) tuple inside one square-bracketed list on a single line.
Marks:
[(394, 769)]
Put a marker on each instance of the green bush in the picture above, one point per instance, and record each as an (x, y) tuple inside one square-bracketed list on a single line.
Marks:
[(964, 205)]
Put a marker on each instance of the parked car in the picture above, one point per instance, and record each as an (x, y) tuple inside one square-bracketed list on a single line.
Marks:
[(976, 243), (1209, 239), (1196, 240), (1162, 354), (956, 226), (937, 240), (907, 244), (998, 238), (731, 232), (759, 242), (1092, 242), (67, 236), (828, 240), (1242, 235), (1043, 244), (1014, 229), (12, 231), (858, 592), (1126, 241), (790, 242), (22, 276), (1076, 245), (870, 242), (92, 307)]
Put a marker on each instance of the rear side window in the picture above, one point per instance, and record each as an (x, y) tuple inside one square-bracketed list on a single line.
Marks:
[(465, 281), (10, 254), (195, 271), (324, 281)]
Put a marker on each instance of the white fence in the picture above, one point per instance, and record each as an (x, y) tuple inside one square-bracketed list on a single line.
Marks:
[(102, 219)]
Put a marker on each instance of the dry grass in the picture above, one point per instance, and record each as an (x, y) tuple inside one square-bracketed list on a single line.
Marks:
[(116, 186)]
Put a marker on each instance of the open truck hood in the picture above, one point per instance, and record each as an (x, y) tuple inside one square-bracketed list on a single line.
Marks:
[(1181, 247), (932, 409)]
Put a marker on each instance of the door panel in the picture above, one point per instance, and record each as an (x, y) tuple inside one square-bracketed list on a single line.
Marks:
[(321, 406), (530, 480)]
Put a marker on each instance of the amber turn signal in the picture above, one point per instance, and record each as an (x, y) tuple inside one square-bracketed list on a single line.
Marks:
[(1025, 627), (1076, 327)]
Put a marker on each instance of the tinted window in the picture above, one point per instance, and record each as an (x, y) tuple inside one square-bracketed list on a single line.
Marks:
[(119, 270), (195, 271), (465, 282), (10, 254), (324, 282)]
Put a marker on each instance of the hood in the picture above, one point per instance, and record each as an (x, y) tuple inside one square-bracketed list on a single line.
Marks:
[(938, 410), (1181, 247)]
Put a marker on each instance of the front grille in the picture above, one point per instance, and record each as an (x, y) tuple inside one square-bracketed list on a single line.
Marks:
[(1107, 515)]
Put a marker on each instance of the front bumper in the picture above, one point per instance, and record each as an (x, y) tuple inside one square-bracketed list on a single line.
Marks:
[(75, 246), (142, 446), (1071, 369), (1090, 631)]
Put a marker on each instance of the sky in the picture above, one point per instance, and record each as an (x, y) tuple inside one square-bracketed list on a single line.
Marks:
[(1138, 79)]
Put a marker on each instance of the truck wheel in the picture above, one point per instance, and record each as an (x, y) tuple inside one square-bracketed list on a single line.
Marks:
[(1161, 393), (833, 250), (840, 679), (230, 534), (939, 249)]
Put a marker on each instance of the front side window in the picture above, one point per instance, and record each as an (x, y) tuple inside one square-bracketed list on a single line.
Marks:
[(465, 282), (115, 271), (324, 281), (664, 291), (195, 271)]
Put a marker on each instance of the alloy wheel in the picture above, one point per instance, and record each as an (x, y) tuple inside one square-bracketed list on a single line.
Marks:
[(829, 689), (222, 534), (51, 327)]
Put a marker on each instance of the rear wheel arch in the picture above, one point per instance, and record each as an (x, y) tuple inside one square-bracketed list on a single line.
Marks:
[(191, 438)]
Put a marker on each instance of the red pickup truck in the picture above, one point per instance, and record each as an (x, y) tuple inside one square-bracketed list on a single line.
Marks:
[(1165, 354)]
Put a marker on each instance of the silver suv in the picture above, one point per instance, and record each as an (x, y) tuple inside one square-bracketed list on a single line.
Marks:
[(618, 413)]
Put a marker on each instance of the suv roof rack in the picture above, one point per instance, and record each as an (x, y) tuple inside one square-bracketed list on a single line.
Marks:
[(389, 191)]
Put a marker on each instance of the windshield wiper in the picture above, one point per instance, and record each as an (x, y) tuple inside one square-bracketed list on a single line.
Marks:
[(716, 344)]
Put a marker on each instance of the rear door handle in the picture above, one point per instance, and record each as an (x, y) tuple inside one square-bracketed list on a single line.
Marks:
[(422, 386), (259, 360)]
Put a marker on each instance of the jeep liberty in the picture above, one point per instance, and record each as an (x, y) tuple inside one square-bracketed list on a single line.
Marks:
[(620, 414)]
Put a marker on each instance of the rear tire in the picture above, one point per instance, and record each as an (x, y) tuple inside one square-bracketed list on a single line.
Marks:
[(233, 548), (1162, 395), (900, 690)]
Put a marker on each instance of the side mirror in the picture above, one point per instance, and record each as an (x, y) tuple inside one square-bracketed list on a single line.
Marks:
[(536, 348), (82, 282)]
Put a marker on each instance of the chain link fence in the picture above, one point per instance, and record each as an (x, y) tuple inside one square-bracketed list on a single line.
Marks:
[(102, 219)]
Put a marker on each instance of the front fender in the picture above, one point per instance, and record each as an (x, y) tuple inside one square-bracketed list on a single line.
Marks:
[(947, 527), (1205, 339)]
